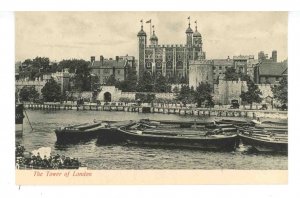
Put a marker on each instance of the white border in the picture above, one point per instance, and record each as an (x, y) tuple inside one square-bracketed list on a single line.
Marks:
[(7, 184)]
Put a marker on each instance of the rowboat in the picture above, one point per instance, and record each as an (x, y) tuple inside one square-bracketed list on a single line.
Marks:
[(264, 143)]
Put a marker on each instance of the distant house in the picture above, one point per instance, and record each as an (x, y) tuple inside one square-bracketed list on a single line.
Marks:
[(104, 68), (270, 72), (220, 66)]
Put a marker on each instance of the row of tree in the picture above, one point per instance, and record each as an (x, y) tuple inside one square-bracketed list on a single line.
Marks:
[(51, 92), (83, 80), (202, 94)]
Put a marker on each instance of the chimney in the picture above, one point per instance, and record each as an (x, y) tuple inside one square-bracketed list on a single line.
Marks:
[(114, 71), (274, 55), (101, 60), (117, 58), (92, 59)]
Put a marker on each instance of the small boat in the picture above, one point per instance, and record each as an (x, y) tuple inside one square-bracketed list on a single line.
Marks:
[(234, 122), (80, 132), (139, 134), (265, 142), (181, 123)]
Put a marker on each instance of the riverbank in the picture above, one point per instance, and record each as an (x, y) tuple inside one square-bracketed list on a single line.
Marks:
[(165, 109)]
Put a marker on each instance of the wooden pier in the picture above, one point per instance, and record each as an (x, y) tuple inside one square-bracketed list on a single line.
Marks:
[(158, 109)]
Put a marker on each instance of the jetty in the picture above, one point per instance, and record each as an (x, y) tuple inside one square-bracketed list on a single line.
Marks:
[(158, 108)]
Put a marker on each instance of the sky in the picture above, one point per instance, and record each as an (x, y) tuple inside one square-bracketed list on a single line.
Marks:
[(67, 35)]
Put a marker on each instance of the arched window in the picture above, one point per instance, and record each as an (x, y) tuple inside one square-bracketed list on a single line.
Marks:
[(148, 65), (169, 64), (179, 64), (158, 64)]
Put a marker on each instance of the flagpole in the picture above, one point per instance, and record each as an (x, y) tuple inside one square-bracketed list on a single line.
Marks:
[(150, 27)]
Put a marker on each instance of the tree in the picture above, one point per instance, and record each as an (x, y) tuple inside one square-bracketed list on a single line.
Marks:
[(231, 74), (29, 94), (83, 78), (161, 85), (176, 90), (203, 93), (145, 83), (186, 94), (252, 95), (280, 91), (130, 82), (51, 91), (111, 81), (42, 64)]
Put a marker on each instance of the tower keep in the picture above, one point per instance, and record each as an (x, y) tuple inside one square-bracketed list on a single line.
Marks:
[(171, 61)]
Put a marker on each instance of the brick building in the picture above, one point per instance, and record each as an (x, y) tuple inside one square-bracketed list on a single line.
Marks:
[(104, 68)]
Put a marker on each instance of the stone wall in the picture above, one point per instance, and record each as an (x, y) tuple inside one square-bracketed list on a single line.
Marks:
[(200, 71), (38, 85), (226, 91), (116, 94)]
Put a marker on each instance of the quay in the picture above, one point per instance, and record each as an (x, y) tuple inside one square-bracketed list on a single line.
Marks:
[(158, 108)]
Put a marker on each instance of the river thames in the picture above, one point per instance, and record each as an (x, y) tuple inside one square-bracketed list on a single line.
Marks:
[(97, 157)]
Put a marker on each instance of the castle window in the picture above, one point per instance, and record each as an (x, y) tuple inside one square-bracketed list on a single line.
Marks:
[(179, 64), (169, 64), (158, 64), (148, 65), (220, 67), (106, 71)]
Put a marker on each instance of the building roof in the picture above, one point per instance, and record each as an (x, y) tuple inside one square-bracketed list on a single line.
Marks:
[(189, 30), (142, 32), (272, 68), (197, 34), (225, 62), (108, 64), (153, 37)]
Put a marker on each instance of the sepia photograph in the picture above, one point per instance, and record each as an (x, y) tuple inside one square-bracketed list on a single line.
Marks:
[(150, 91)]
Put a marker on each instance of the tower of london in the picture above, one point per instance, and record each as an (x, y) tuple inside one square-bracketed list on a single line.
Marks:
[(168, 60)]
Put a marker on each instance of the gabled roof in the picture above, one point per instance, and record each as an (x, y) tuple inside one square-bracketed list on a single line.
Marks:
[(108, 64), (272, 68)]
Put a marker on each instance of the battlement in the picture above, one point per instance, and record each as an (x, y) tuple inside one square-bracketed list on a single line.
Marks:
[(30, 83), (243, 57), (232, 82)]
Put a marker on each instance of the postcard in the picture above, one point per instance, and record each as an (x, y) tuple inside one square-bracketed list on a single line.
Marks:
[(151, 98)]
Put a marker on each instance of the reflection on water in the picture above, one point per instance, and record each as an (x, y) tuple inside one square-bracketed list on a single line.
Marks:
[(97, 156)]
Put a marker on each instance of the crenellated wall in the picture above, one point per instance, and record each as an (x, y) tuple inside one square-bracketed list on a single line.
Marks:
[(226, 91)]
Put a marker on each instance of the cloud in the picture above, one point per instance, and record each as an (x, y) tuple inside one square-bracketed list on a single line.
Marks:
[(83, 34)]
